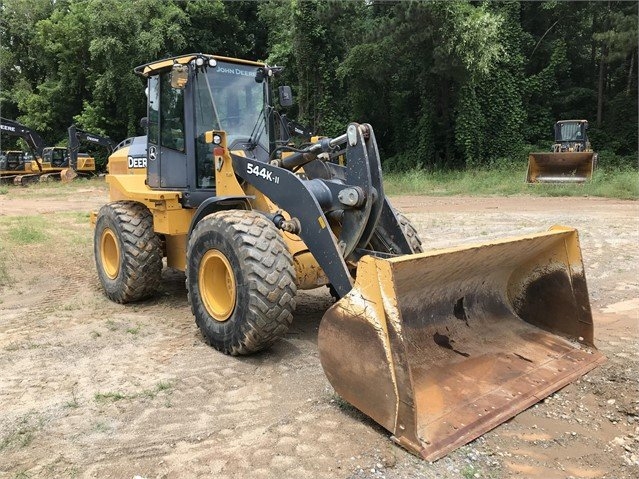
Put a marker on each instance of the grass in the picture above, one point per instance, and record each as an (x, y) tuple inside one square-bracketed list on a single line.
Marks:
[(109, 396), (113, 396), (73, 403), (509, 180), (133, 331), (53, 189), (26, 230), (24, 433), (4, 273)]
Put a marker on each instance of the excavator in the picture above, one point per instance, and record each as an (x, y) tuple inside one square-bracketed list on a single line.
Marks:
[(52, 162), (81, 164), (571, 159), (15, 164), (436, 345)]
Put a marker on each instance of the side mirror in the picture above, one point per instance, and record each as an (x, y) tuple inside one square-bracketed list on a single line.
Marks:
[(179, 76), (144, 122), (286, 96)]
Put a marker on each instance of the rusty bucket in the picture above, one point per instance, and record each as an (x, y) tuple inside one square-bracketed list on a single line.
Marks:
[(442, 346), (565, 167)]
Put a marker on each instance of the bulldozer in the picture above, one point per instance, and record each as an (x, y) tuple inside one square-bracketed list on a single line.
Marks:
[(571, 159), (437, 346)]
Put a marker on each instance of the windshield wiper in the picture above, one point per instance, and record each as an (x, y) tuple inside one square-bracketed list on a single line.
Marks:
[(258, 127)]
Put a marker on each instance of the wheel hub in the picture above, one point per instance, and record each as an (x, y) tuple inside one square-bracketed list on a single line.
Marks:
[(110, 253), (216, 283)]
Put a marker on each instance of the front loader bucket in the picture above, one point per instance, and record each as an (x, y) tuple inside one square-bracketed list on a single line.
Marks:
[(440, 347), (566, 167)]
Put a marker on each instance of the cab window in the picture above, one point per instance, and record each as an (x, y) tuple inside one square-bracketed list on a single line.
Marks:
[(171, 115)]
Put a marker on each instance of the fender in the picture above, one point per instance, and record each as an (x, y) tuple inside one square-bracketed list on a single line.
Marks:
[(219, 203)]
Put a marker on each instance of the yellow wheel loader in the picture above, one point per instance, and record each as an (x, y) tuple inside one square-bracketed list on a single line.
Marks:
[(436, 346), (571, 159)]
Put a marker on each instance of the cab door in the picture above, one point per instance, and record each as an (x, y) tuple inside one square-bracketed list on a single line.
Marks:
[(167, 145)]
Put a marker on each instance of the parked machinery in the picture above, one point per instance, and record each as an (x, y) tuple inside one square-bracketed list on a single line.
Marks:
[(437, 346), (571, 160), (16, 164), (80, 163)]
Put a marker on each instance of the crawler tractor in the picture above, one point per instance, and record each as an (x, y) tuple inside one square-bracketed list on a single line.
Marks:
[(436, 346)]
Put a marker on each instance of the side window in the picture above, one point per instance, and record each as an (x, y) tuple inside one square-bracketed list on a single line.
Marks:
[(171, 115), (205, 120), (154, 110)]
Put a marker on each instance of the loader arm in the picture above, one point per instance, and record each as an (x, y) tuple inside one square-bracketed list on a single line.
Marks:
[(352, 195)]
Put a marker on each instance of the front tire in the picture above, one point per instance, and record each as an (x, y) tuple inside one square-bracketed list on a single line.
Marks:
[(240, 281), (382, 240), (128, 253)]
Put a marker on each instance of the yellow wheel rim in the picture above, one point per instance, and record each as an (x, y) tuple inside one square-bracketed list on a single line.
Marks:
[(216, 283), (110, 253)]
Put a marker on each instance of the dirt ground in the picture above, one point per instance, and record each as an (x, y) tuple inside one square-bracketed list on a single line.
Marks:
[(89, 388)]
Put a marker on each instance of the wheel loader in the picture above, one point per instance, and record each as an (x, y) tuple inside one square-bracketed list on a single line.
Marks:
[(571, 159), (437, 346)]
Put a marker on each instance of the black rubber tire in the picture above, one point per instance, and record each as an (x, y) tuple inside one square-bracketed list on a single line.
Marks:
[(411, 233), (381, 242), (264, 277), (140, 251)]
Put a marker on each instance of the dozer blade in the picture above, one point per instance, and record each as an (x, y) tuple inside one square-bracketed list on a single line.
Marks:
[(440, 347), (566, 167)]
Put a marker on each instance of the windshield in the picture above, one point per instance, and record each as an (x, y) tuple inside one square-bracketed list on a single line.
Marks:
[(569, 132), (228, 98)]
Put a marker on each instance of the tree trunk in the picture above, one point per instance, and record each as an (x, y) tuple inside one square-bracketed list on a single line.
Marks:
[(602, 72), (630, 72), (601, 84)]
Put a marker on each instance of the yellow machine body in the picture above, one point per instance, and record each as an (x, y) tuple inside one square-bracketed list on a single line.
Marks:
[(173, 221)]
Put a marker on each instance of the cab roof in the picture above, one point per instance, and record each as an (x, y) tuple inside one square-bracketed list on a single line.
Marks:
[(572, 121), (154, 67)]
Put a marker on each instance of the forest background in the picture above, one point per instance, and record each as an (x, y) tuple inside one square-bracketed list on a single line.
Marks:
[(445, 84)]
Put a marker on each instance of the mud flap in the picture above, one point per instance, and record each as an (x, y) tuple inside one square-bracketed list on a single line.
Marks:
[(442, 346), (566, 167)]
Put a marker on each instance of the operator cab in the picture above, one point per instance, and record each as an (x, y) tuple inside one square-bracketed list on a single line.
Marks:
[(570, 135), (193, 94), (13, 160), (56, 155)]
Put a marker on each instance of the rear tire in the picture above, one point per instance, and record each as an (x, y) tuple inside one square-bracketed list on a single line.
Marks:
[(240, 281), (128, 253)]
